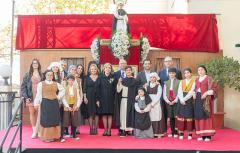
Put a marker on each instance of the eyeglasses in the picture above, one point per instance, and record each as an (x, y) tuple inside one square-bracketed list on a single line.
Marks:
[(34, 62)]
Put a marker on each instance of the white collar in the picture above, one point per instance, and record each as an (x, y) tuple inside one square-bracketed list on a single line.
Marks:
[(48, 82), (201, 78), (153, 84), (172, 79), (142, 98), (147, 71)]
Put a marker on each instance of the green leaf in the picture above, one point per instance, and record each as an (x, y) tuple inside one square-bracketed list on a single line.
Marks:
[(225, 71)]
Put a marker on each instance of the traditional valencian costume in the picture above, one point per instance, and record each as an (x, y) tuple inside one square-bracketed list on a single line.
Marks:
[(203, 108), (143, 126), (154, 90), (185, 111), (72, 102), (48, 95), (170, 95)]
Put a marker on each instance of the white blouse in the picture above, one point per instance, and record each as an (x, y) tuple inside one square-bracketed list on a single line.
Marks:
[(147, 74), (189, 94), (71, 93), (38, 98), (155, 97), (147, 109), (200, 79)]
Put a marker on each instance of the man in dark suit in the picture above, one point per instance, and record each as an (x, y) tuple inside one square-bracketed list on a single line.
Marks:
[(121, 72), (163, 74), (144, 76), (63, 70)]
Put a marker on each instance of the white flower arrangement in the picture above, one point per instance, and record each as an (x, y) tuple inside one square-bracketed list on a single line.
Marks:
[(95, 49), (144, 47), (120, 43)]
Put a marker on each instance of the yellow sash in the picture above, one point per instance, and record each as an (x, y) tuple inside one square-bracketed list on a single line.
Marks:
[(187, 88)]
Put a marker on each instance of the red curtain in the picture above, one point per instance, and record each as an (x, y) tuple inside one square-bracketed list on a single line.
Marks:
[(184, 32), (106, 56)]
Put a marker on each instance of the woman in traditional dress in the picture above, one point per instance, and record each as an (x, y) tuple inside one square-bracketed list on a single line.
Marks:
[(143, 125), (91, 97), (126, 87), (154, 90), (205, 91), (48, 95), (185, 105), (29, 90), (107, 94), (55, 67)]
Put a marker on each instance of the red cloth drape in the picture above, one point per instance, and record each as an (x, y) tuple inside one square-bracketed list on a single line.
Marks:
[(185, 32), (106, 56)]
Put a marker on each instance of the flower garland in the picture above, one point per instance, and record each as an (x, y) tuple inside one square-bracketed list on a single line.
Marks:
[(95, 49), (144, 47), (120, 43)]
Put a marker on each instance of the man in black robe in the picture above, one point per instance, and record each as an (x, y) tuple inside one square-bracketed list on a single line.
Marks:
[(124, 101)]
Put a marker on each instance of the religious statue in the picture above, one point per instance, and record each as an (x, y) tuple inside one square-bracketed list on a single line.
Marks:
[(120, 21)]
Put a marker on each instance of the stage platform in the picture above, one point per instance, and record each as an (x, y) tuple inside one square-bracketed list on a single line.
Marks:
[(225, 140)]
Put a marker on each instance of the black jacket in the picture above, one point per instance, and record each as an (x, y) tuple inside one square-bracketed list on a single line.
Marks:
[(26, 87)]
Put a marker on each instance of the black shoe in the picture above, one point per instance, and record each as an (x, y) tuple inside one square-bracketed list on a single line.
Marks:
[(122, 134), (91, 131), (128, 133), (109, 133), (96, 131), (105, 133)]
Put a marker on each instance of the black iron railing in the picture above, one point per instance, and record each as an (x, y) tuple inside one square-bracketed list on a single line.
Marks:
[(13, 123)]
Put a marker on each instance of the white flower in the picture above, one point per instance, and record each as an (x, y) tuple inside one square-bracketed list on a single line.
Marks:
[(120, 44), (95, 48), (145, 47)]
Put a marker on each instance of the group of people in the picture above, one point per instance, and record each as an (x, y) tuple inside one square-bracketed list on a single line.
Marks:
[(139, 106)]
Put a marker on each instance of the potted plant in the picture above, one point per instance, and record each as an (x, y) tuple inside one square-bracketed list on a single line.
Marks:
[(226, 72)]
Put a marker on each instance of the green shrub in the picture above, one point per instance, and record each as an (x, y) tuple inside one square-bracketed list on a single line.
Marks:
[(225, 71)]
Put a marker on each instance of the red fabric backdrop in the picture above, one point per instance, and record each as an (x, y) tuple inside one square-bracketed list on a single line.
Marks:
[(106, 56), (185, 32)]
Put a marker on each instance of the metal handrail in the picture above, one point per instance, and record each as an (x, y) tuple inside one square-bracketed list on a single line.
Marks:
[(19, 129), (11, 94)]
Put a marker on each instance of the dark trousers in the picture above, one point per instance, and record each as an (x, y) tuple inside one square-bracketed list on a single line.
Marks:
[(61, 117), (164, 109), (73, 131), (172, 125)]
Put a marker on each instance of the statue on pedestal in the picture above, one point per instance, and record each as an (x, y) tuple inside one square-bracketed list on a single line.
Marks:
[(120, 21)]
